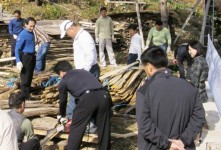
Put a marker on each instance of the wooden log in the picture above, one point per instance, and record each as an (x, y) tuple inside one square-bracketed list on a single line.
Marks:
[(124, 115), (28, 104), (86, 138), (62, 145), (43, 111), (7, 59), (127, 135)]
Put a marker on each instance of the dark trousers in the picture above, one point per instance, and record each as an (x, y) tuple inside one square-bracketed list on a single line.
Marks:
[(28, 61), (182, 56), (13, 43), (131, 58), (98, 105), (31, 144)]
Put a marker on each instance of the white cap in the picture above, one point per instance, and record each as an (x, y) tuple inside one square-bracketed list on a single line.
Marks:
[(64, 26)]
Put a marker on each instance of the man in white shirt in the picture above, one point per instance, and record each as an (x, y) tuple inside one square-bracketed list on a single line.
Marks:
[(135, 44), (8, 138), (85, 54)]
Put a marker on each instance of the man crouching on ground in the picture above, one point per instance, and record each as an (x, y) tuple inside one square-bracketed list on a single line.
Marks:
[(23, 125)]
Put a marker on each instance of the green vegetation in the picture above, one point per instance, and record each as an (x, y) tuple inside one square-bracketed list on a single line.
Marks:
[(89, 8), (46, 11)]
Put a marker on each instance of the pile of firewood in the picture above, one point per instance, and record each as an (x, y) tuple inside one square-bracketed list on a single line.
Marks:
[(123, 86), (5, 47), (50, 95)]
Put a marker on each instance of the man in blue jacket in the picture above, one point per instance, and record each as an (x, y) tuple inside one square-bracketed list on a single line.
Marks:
[(15, 26), (25, 55)]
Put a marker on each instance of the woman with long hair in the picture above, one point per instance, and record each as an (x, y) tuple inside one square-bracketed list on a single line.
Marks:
[(199, 69)]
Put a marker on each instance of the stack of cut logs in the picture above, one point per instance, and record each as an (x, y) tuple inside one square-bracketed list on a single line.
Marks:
[(50, 95)]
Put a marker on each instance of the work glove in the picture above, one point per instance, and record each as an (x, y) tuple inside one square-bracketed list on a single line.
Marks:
[(146, 47), (97, 40), (15, 36), (19, 66), (174, 61), (168, 49), (36, 48), (61, 120)]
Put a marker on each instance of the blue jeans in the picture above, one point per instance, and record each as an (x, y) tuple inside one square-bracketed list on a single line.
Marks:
[(95, 70), (164, 47), (41, 57), (132, 58), (70, 107)]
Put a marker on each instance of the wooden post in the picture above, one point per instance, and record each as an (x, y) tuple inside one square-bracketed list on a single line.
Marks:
[(163, 11), (204, 23), (139, 24), (1, 14)]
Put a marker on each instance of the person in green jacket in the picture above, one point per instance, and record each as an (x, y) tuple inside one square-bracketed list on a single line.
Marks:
[(160, 36)]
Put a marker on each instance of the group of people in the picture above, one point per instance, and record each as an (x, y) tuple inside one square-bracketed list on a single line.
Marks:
[(169, 109)]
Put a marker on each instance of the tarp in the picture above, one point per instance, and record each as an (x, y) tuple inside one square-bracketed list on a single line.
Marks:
[(214, 79)]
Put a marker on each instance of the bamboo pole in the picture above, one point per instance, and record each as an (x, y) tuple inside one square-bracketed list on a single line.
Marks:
[(140, 25), (204, 22)]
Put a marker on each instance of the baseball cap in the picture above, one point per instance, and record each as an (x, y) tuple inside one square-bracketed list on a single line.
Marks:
[(64, 26)]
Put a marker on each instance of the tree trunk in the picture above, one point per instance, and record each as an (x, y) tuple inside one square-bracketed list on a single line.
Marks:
[(163, 10)]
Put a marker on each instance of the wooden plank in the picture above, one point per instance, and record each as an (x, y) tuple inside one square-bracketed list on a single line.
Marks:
[(129, 109), (86, 138), (7, 59), (28, 104), (46, 111), (35, 112), (127, 135), (124, 115), (4, 73)]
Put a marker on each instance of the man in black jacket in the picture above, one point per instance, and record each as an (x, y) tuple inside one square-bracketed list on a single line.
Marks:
[(168, 109), (92, 101), (181, 54)]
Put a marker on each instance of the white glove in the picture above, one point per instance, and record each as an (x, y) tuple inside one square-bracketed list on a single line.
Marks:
[(36, 47), (61, 120), (113, 39), (15, 36), (19, 66), (168, 49), (97, 40), (146, 47)]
